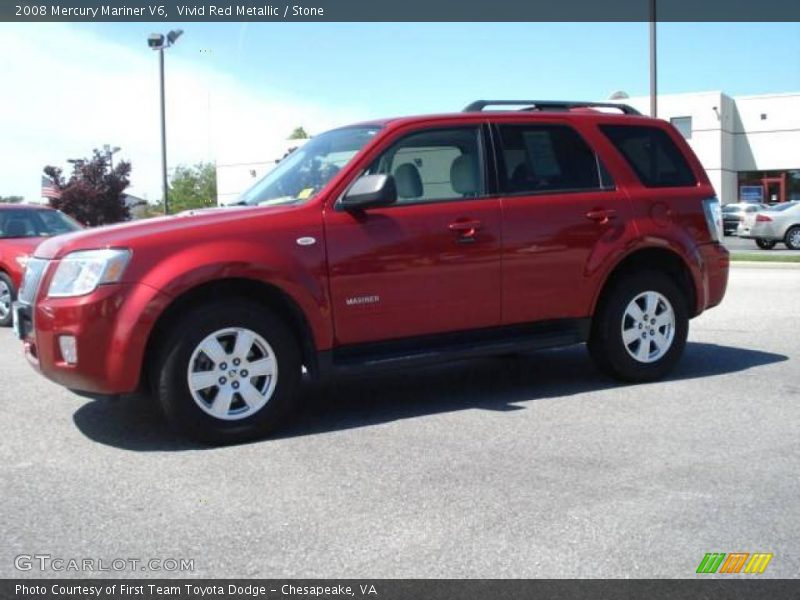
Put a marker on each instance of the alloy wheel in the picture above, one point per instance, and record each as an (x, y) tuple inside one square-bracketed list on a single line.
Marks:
[(648, 327), (232, 373), (794, 238), (5, 299)]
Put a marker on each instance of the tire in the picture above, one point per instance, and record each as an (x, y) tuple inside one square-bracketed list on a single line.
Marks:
[(792, 239), (765, 244), (259, 403), (7, 295), (635, 362)]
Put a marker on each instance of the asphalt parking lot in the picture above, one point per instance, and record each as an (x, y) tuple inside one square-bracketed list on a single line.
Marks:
[(534, 466), (743, 245)]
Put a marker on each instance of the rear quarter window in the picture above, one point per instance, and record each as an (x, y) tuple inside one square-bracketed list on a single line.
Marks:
[(652, 154)]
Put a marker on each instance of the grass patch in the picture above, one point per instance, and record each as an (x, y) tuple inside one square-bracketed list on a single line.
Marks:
[(764, 256)]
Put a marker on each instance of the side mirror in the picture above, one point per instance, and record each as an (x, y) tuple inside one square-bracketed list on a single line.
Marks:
[(370, 191)]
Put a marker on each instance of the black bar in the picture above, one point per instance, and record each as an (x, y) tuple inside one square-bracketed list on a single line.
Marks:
[(405, 11)]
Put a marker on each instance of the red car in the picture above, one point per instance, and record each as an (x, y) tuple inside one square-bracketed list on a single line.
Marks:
[(22, 228), (391, 243)]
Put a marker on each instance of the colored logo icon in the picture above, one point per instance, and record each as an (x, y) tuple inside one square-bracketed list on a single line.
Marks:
[(736, 562)]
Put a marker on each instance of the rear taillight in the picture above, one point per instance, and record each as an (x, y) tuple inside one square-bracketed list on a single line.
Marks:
[(763, 218), (713, 212)]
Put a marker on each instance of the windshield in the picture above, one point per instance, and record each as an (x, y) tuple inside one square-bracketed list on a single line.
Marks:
[(26, 223), (302, 174)]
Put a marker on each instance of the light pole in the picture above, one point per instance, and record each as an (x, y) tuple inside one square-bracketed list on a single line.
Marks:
[(158, 41), (653, 79)]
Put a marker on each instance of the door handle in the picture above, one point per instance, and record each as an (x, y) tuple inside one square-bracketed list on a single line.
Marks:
[(602, 215), (466, 230)]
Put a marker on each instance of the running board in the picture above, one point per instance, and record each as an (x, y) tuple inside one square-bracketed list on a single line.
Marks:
[(426, 350)]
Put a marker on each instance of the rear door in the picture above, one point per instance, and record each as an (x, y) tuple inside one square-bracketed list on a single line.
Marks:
[(560, 208), (429, 263)]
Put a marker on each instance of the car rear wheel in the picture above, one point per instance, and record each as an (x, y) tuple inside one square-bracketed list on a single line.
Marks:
[(639, 329), (792, 238), (229, 373), (765, 244), (7, 295)]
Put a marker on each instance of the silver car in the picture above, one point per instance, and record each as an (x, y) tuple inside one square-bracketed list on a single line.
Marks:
[(781, 223)]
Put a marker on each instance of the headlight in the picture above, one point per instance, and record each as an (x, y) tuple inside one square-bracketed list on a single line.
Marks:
[(80, 273), (22, 260)]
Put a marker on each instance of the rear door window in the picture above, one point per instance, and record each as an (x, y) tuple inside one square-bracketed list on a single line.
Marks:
[(652, 154), (548, 158)]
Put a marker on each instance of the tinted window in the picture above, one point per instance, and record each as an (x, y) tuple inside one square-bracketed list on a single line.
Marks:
[(22, 223), (541, 158), (440, 164), (652, 154)]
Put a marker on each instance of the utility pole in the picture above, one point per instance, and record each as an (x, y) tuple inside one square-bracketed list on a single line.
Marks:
[(653, 62), (165, 184)]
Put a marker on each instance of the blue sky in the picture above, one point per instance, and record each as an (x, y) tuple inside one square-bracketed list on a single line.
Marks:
[(420, 67), (235, 91)]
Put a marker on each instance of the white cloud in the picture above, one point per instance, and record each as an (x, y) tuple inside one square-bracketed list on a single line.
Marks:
[(68, 91)]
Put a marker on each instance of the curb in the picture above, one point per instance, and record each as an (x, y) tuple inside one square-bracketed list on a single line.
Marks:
[(749, 264)]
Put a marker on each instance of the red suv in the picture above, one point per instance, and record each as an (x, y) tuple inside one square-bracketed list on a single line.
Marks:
[(22, 228), (391, 243)]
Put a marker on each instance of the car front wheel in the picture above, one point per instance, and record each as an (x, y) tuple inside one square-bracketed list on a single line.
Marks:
[(7, 296), (639, 329), (229, 373)]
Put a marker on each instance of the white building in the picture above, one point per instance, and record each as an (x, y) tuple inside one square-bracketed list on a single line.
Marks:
[(749, 145)]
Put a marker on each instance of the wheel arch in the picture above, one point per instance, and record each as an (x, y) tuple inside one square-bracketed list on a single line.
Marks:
[(785, 237), (659, 259), (268, 295)]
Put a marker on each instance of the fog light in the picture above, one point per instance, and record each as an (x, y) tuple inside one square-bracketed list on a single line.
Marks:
[(69, 349)]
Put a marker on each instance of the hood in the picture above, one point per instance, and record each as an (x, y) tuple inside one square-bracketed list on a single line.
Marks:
[(17, 246), (124, 235)]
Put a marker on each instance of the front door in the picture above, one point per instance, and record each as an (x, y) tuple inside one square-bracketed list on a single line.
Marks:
[(430, 263)]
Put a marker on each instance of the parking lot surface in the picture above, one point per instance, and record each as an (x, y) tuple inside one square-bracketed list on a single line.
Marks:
[(531, 466), (737, 245)]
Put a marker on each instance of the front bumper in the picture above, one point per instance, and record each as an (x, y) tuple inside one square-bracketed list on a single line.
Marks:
[(110, 327)]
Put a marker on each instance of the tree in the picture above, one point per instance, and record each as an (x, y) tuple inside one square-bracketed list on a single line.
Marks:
[(193, 187), (11, 199), (299, 134), (93, 194)]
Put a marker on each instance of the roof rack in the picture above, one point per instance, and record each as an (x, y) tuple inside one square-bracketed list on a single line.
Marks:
[(549, 105)]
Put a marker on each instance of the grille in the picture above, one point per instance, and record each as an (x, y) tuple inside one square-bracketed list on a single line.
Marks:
[(30, 282)]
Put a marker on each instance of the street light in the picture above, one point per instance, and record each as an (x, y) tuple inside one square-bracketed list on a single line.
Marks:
[(158, 41)]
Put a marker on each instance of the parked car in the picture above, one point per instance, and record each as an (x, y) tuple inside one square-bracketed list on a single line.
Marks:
[(733, 215), (780, 223), (22, 228), (392, 243)]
